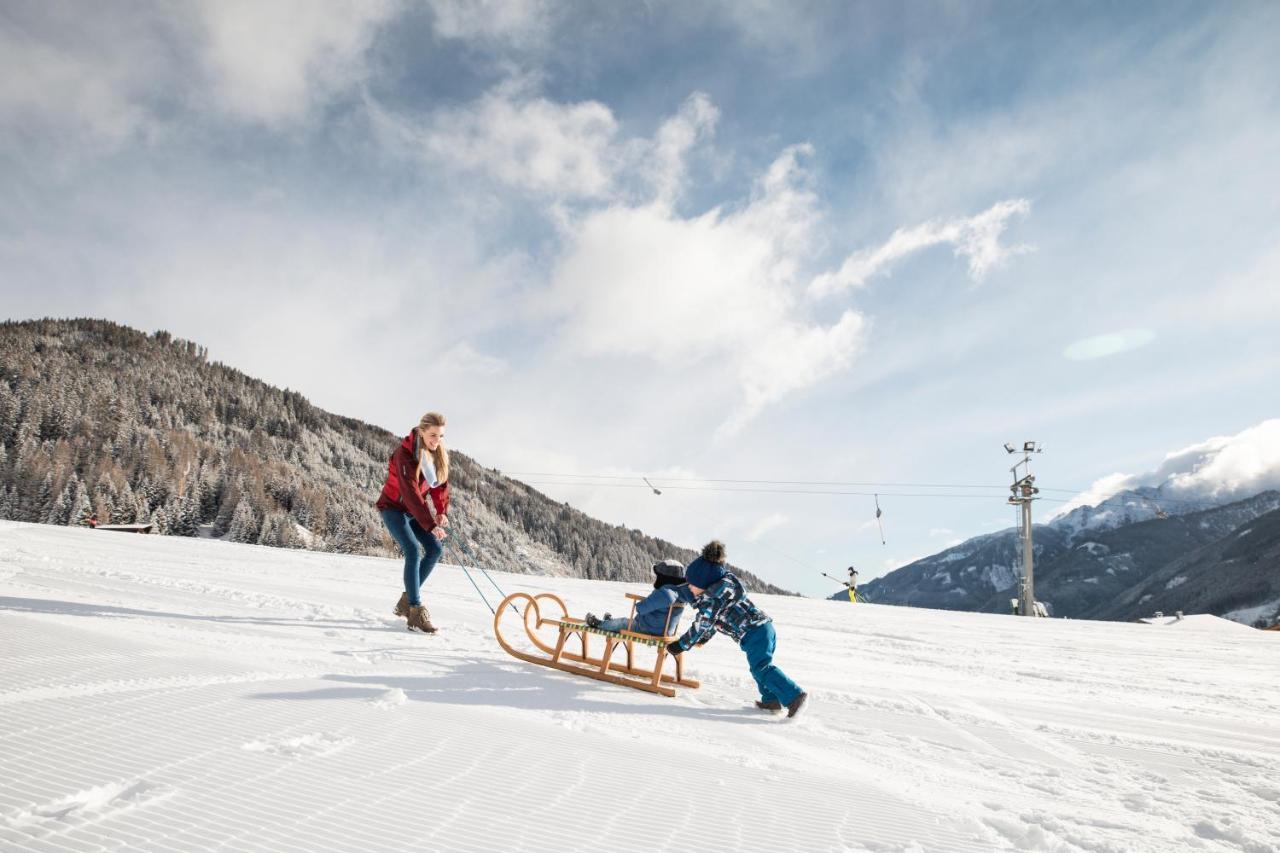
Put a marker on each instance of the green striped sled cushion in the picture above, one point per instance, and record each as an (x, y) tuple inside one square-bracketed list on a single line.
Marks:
[(582, 626)]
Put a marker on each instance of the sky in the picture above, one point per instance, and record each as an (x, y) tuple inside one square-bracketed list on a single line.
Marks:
[(854, 243)]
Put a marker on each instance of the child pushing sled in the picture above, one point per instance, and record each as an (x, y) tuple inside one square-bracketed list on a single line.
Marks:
[(723, 606)]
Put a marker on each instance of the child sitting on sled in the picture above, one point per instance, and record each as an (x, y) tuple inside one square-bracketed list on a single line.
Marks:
[(651, 614), (723, 606)]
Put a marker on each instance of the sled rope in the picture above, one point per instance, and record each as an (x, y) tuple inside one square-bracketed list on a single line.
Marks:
[(467, 553), (473, 583), (467, 550)]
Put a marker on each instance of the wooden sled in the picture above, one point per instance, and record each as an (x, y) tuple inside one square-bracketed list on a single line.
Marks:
[(603, 667)]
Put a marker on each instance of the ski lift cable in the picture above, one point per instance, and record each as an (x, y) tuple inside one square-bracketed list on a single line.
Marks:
[(651, 482), (662, 480), (1003, 491), (723, 489), (782, 553)]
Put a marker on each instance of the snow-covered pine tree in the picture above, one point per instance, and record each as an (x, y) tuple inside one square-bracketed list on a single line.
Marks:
[(81, 507), (231, 495), (209, 491), (244, 523), (10, 407), (278, 531), (44, 502), (125, 510), (184, 516), (60, 512)]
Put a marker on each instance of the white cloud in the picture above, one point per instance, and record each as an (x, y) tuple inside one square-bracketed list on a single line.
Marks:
[(275, 62), (940, 531), (642, 281), (976, 238), (528, 142), (64, 73), (769, 523), (466, 359), (694, 123), (793, 357), (118, 75), (517, 22), (1225, 466), (1222, 468), (1099, 491), (556, 151), (1113, 343), (637, 279)]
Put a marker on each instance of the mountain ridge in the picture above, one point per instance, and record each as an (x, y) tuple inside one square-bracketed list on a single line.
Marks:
[(1099, 570), (99, 417)]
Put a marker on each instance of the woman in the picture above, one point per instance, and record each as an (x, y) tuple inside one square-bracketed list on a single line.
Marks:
[(414, 504)]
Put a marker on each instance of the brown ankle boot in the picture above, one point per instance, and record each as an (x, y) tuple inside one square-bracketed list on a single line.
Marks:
[(420, 619), (402, 606)]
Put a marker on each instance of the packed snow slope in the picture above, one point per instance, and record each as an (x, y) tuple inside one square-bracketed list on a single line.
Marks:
[(179, 694)]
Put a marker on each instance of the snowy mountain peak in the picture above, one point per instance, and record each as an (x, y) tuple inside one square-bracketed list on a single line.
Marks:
[(1212, 473)]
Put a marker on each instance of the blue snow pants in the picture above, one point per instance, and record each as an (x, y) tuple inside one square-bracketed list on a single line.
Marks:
[(759, 644)]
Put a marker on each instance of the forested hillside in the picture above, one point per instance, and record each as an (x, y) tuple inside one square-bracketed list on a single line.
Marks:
[(100, 418)]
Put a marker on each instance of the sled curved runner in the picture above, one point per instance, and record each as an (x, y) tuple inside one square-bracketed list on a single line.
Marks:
[(544, 611)]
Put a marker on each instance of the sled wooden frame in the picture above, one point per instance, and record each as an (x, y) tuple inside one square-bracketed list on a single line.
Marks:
[(601, 667)]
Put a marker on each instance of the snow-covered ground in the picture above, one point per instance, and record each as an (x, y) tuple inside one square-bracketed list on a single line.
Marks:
[(191, 694)]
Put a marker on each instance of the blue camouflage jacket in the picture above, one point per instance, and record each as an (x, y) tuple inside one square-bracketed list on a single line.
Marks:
[(724, 608)]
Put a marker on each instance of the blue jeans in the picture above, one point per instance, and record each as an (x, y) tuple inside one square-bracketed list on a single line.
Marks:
[(421, 550), (617, 623), (774, 685)]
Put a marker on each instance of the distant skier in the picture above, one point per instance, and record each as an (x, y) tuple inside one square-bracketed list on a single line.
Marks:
[(414, 504), (723, 606), (651, 614)]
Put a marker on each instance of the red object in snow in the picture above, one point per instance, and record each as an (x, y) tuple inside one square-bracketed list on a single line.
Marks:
[(407, 491)]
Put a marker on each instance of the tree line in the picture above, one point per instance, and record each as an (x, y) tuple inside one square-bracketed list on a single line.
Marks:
[(98, 418)]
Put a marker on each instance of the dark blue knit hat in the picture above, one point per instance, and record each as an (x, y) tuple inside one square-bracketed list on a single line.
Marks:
[(703, 573)]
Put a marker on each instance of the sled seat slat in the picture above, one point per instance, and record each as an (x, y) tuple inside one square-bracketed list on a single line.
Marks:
[(631, 636)]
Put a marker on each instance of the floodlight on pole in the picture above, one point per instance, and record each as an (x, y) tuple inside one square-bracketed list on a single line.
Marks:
[(1024, 491)]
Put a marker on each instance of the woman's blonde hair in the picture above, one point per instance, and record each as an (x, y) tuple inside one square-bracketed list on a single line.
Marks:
[(439, 456)]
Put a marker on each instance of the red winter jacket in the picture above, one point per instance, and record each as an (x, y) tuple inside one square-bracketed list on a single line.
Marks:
[(407, 491)]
